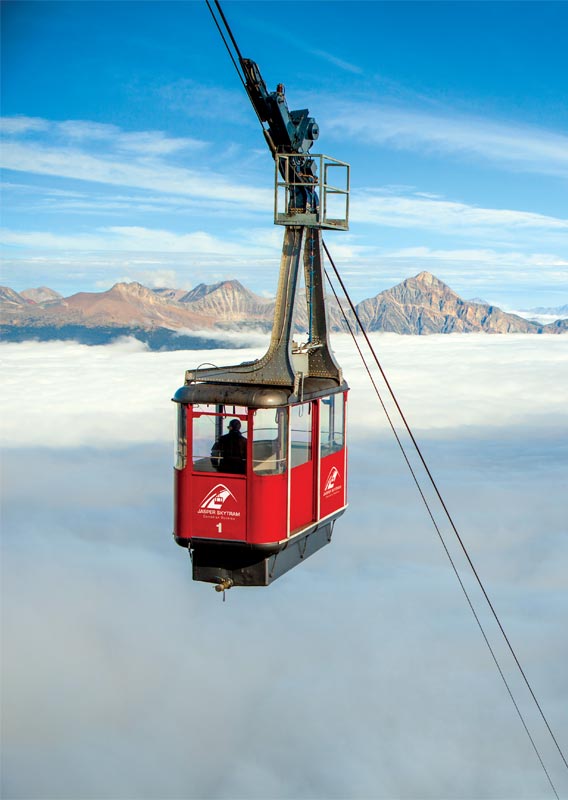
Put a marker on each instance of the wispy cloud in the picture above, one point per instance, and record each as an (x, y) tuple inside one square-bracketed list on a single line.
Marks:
[(486, 257), (506, 144), (346, 66), (127, 159), (148, 143), (156, 176), (109, 201), (194, 99), (18, 125), (303, 44), (423, 211), (132, 239)]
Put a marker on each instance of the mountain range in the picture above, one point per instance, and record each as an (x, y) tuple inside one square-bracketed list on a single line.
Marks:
[(178, 319)]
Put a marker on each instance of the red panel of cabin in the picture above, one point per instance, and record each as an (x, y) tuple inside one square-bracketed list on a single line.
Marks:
[(302, 496), (267, 508), (333, 481), (182, 526), (218, 507)]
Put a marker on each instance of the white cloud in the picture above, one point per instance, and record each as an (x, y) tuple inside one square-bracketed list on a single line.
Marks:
[(193, 100), (515, 264), (346, 66), (486, 257), (26, 198), (18, 125), (238, 339), (460, 378), (368, 643), (440, 215), (508, 145), (149, 143), (130, 238), (143, 168)]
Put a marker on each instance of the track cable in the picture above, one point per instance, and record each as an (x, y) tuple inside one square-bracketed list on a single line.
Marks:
[(445, 509), (235, 45), (440, 536)]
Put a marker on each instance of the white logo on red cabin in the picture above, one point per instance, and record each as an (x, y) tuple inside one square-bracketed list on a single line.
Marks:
[(215, 499), (333, 479), (213, 504)]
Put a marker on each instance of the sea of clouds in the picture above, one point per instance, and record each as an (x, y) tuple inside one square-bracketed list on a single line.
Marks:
[(362, 673)]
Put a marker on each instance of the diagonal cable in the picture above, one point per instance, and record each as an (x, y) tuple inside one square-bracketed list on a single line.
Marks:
[(447, 513)]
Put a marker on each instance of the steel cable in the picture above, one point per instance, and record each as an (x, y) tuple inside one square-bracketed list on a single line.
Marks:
[(443, 504)]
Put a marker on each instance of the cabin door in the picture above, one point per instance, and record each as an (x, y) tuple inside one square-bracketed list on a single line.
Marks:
[(302, 470)]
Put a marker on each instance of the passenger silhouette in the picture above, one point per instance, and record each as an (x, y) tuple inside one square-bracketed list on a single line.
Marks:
[(229, 453)]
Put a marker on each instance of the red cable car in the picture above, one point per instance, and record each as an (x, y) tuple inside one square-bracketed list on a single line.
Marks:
[(250, 517), (255, 501)]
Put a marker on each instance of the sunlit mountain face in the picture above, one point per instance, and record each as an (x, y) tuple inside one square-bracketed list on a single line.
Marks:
[(176, 319)]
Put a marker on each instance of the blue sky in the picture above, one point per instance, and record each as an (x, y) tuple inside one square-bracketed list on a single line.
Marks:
[(131, 151)]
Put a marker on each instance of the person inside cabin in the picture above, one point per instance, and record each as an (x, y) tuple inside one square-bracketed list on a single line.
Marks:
[(229, 453)]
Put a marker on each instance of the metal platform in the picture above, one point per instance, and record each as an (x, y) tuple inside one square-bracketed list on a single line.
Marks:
[(243, 565)]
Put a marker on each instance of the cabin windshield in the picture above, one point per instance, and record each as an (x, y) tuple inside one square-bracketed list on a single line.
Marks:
[(332, 424), (270, 441), (219, 439)]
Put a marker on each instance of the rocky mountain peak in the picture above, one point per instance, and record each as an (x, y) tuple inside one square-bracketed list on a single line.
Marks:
[(421, 304), (228, 300), (131, 289), (425, 278), (426, 282), (41, 295), (10, 298), (423, 289), (232, 287)]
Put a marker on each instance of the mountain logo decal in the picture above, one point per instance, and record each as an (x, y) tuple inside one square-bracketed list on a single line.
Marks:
[(332, 479), (216, 498)]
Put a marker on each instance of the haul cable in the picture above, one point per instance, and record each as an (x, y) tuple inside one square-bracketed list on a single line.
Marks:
[(216, 21), (443, 505), (235, 45), (440, 536)]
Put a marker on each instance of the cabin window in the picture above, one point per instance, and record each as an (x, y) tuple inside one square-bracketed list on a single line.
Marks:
[(270, 441), (332, 424), (212, 451), (180, 454), (301, 433)]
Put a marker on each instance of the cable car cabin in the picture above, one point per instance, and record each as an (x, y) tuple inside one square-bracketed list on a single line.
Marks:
[(254, 499), (260, 474), (249, 517)]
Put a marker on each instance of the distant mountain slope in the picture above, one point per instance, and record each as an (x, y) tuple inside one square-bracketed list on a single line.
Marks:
[(421, 305), (424, 304), (124, 305), (41, 295), (559, 312), (11, 300), (228, 301)]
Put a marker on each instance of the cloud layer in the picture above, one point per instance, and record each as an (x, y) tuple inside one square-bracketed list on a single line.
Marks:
[(361, 674), (495, 386)]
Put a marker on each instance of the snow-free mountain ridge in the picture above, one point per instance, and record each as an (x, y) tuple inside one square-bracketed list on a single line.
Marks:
[(422, 304)]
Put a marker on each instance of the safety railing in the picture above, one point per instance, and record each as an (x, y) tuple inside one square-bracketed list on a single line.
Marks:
[(311, 190)]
